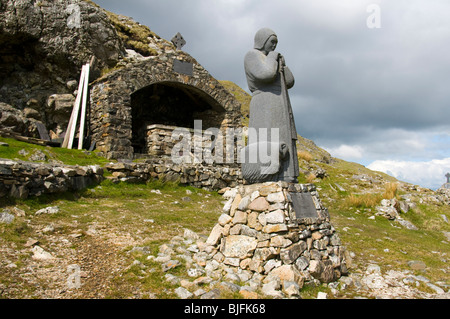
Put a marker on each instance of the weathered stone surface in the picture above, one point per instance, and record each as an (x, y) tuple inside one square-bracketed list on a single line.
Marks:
[(244, 202), (239, 246), (260, 204), (183, 293), (290, 254), (279, 241), (57, 38), (48, 210), (275, 228), (215, 235), (6, 218), (275, 217), (286, 273), (40, 254), (240, 217), (224, 219), (271, 289), (276, 197)]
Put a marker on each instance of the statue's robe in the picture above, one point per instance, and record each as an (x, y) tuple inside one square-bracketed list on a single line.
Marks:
[(268, 109)]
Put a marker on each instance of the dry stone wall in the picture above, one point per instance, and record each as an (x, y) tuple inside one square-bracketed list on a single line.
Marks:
[(209, 177), (23, 179)]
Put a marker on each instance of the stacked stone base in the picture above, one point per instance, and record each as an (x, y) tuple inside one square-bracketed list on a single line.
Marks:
[(260, 234)]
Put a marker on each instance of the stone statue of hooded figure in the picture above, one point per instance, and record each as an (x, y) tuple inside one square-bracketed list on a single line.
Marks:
[(271, 153)]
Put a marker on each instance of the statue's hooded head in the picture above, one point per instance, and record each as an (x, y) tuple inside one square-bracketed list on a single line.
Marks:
[(262, 36)]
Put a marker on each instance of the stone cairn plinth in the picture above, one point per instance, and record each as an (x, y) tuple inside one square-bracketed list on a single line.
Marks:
[(262, 232)]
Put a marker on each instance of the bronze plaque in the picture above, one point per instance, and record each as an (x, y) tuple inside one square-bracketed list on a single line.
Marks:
[(303, 205)]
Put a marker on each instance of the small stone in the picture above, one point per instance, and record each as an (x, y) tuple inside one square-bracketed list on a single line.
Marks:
[(271, 264), (224, 219), (246, 294), (40, 254), (245, 263), (31, 242), (275, 217), (302, 263), (231, 261), (292, 289), (275, 228), (437, 289), (262, 219), (268, 189), (315, 268), (321, 295), (417, 265), (212, 294), (279, 241), (48, 210), (170, 265), (174, 280), (195, 272), (260, 204), (229, 193), (288, 273), (276, 197), (254, 196), (239, 246), (183, 293), (215, 235), (316, 235), (199, 292), (271, 289), (227, 207), (6, 218), (244, 203), (406, 223), (204, 280), (252, 221), (235, 204), (290, 254), (240, 217)]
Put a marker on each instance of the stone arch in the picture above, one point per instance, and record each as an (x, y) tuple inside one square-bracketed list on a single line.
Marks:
[(170, 104), (113, 99)]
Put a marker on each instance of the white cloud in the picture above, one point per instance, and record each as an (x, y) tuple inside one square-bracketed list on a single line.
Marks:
[(347, 152), (430, 174)]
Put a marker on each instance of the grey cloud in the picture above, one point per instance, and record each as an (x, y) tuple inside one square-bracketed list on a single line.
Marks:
[(354, 85)]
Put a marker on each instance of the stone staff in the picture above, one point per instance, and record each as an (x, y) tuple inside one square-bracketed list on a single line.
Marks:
[(288, 109)]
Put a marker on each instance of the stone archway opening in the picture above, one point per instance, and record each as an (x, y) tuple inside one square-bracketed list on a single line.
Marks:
[(166, 105)]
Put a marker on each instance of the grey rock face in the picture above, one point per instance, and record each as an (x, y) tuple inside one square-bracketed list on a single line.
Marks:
[(44, 44)]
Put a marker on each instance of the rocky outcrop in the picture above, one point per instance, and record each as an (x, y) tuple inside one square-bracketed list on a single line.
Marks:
[(16, 121), (43, 45)]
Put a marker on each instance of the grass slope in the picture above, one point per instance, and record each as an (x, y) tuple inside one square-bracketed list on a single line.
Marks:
[(110, 229)]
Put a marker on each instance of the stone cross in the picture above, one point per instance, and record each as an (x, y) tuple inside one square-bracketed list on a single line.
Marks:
[(178, 41), (448, 177)]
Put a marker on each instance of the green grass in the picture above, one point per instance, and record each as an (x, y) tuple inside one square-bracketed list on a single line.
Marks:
[(52, 154)]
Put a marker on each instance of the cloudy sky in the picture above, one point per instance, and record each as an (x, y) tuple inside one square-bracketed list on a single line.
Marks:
[(372, 76)]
